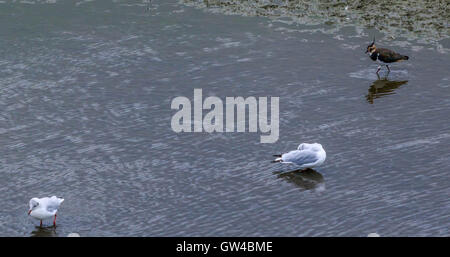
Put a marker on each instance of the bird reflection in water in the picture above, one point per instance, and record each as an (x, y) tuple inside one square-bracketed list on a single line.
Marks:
[(306, 179), (383, 87), (49, 231)]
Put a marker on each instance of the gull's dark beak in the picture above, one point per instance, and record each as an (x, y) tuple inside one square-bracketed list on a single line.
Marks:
[(29, 212)]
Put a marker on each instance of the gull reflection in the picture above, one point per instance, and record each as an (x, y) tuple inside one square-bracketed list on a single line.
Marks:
[(44, 232), (382, 87), (306, 179)]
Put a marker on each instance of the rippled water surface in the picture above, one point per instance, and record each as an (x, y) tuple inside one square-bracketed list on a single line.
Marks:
[(85, 95)]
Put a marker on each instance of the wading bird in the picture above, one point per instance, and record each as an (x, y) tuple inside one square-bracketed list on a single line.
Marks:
[(44, 208), (384, 56)]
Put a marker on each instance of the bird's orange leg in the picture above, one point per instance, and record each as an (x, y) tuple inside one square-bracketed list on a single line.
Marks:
[(54, 221)]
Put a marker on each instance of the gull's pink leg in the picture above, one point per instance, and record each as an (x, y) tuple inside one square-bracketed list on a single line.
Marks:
[(41, 224), (54, 221)]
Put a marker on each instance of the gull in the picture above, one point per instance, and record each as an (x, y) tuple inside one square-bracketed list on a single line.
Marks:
[(44, 208), (306, 156)]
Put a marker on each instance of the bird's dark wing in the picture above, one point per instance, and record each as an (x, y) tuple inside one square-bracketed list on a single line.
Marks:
[(389, 56)]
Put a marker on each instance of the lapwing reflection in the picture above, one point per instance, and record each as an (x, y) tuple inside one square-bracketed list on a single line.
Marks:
[(383, 87)]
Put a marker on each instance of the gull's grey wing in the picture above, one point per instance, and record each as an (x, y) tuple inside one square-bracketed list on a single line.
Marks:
[(52, 203), (300, 157), (52, 208)]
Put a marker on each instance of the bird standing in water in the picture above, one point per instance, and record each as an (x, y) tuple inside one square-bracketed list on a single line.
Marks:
[(44, 208), (384, 56)]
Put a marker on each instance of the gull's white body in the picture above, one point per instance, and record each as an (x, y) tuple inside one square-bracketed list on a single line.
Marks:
[(306, 156), (47, 208)]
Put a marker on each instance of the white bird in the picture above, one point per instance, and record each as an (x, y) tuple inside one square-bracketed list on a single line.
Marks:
[(306, 156), (44, 208)]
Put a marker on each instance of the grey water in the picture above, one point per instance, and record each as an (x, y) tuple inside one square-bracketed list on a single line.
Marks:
[(85, 95)]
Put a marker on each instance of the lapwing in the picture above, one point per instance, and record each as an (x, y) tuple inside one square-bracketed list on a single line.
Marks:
[(384, 56)]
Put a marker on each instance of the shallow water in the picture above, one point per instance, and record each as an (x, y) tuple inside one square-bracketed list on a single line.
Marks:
[(85, 94)]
